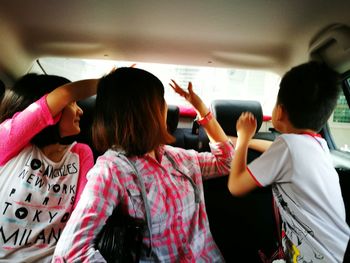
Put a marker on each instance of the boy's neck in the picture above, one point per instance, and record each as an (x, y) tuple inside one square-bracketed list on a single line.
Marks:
[(289, 128), (283, 124)]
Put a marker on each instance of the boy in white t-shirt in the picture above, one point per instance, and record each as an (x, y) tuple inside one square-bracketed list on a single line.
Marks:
[(305, 184)]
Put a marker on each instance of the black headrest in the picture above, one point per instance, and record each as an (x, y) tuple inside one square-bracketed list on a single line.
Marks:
[(2, 88), (172, 119), (227, 113), (88, 106)]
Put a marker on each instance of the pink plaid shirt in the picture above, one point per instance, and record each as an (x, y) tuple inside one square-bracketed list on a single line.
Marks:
[(180, 227)]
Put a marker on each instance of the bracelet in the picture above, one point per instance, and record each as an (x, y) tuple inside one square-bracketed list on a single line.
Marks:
[(204, 121)]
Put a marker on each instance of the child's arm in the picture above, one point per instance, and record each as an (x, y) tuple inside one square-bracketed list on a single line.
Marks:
[(240, 181), (212, 127), (17, 131), (259, 145), (63, 95)]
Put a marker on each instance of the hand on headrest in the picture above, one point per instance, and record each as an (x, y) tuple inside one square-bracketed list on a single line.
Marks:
[(227, 113)]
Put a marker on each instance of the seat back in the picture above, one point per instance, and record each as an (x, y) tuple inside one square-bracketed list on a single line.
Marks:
[(2, 89), (186, 138), (227, 113), (240, 225), (86, 120), (172, 120)]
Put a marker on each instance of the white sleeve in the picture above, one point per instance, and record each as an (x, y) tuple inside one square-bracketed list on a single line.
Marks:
[(274, 165)]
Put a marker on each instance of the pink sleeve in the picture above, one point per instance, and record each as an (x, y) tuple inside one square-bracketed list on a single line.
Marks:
[(101, 195), (86, 163), (218, 161), (16, 132)]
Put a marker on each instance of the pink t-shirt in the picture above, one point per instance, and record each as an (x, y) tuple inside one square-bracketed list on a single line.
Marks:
[(37, 195)]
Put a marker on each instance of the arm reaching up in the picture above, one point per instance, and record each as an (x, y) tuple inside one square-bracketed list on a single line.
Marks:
[(240, 181), (63, 95), (212, 127)]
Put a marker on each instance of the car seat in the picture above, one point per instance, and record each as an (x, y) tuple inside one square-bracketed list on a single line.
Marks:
[(241, 226), (2, 89), (86, 120), (185, 138)]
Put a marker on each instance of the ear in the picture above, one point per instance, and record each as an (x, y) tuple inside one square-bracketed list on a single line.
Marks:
[(280, 112)]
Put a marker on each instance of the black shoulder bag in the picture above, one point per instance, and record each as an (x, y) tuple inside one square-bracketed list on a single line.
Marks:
[(121, 237)]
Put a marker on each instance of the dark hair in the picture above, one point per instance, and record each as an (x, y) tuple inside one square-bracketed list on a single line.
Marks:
[(25, 91), (129, 112), (309, 93)]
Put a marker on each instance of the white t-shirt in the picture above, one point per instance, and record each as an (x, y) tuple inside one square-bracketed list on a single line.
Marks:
[(36, 201), (36, 194), (307, 191)]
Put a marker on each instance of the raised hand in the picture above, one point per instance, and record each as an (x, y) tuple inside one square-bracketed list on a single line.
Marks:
[(191, 97), (246, 126)]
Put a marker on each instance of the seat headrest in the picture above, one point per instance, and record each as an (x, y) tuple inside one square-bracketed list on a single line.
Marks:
[(88, 107), (2, 88), (227, 113), (172, 119)]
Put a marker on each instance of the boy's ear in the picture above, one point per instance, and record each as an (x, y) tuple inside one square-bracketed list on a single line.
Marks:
[(280, 112)]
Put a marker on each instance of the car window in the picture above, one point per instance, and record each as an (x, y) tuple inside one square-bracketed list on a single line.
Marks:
[(339, 122), (209, 82)]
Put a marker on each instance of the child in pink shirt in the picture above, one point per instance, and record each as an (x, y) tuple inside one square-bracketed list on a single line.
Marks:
[(41, 173)]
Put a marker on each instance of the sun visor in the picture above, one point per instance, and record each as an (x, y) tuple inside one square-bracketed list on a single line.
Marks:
[(332, 45)]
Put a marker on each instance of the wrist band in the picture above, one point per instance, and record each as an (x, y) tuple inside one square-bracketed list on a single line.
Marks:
[(203, 121)]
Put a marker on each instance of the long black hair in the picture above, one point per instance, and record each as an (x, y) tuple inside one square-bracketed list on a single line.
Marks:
[(28, 89)]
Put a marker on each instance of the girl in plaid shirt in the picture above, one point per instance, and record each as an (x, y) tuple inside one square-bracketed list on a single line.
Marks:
[(130, 115)]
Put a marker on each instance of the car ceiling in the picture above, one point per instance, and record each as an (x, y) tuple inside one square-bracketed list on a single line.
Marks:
[(261, 34)]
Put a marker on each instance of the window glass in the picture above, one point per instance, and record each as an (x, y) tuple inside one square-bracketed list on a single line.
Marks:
[(339, 124), (209, 82)]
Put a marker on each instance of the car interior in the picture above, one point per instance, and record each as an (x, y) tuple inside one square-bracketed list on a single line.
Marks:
[(264, 36)]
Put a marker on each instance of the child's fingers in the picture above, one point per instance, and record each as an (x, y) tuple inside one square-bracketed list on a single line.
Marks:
[(248, 115), (174, 85), (251, 116), (113, 69), (190, 88), (247, 118), (245, 115), (177, 88)]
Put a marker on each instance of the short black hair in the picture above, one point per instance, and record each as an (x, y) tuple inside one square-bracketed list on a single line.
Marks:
[(309, 94), (24, 92)]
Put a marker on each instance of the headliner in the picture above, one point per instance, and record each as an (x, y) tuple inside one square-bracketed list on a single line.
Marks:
[(262, 34)]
